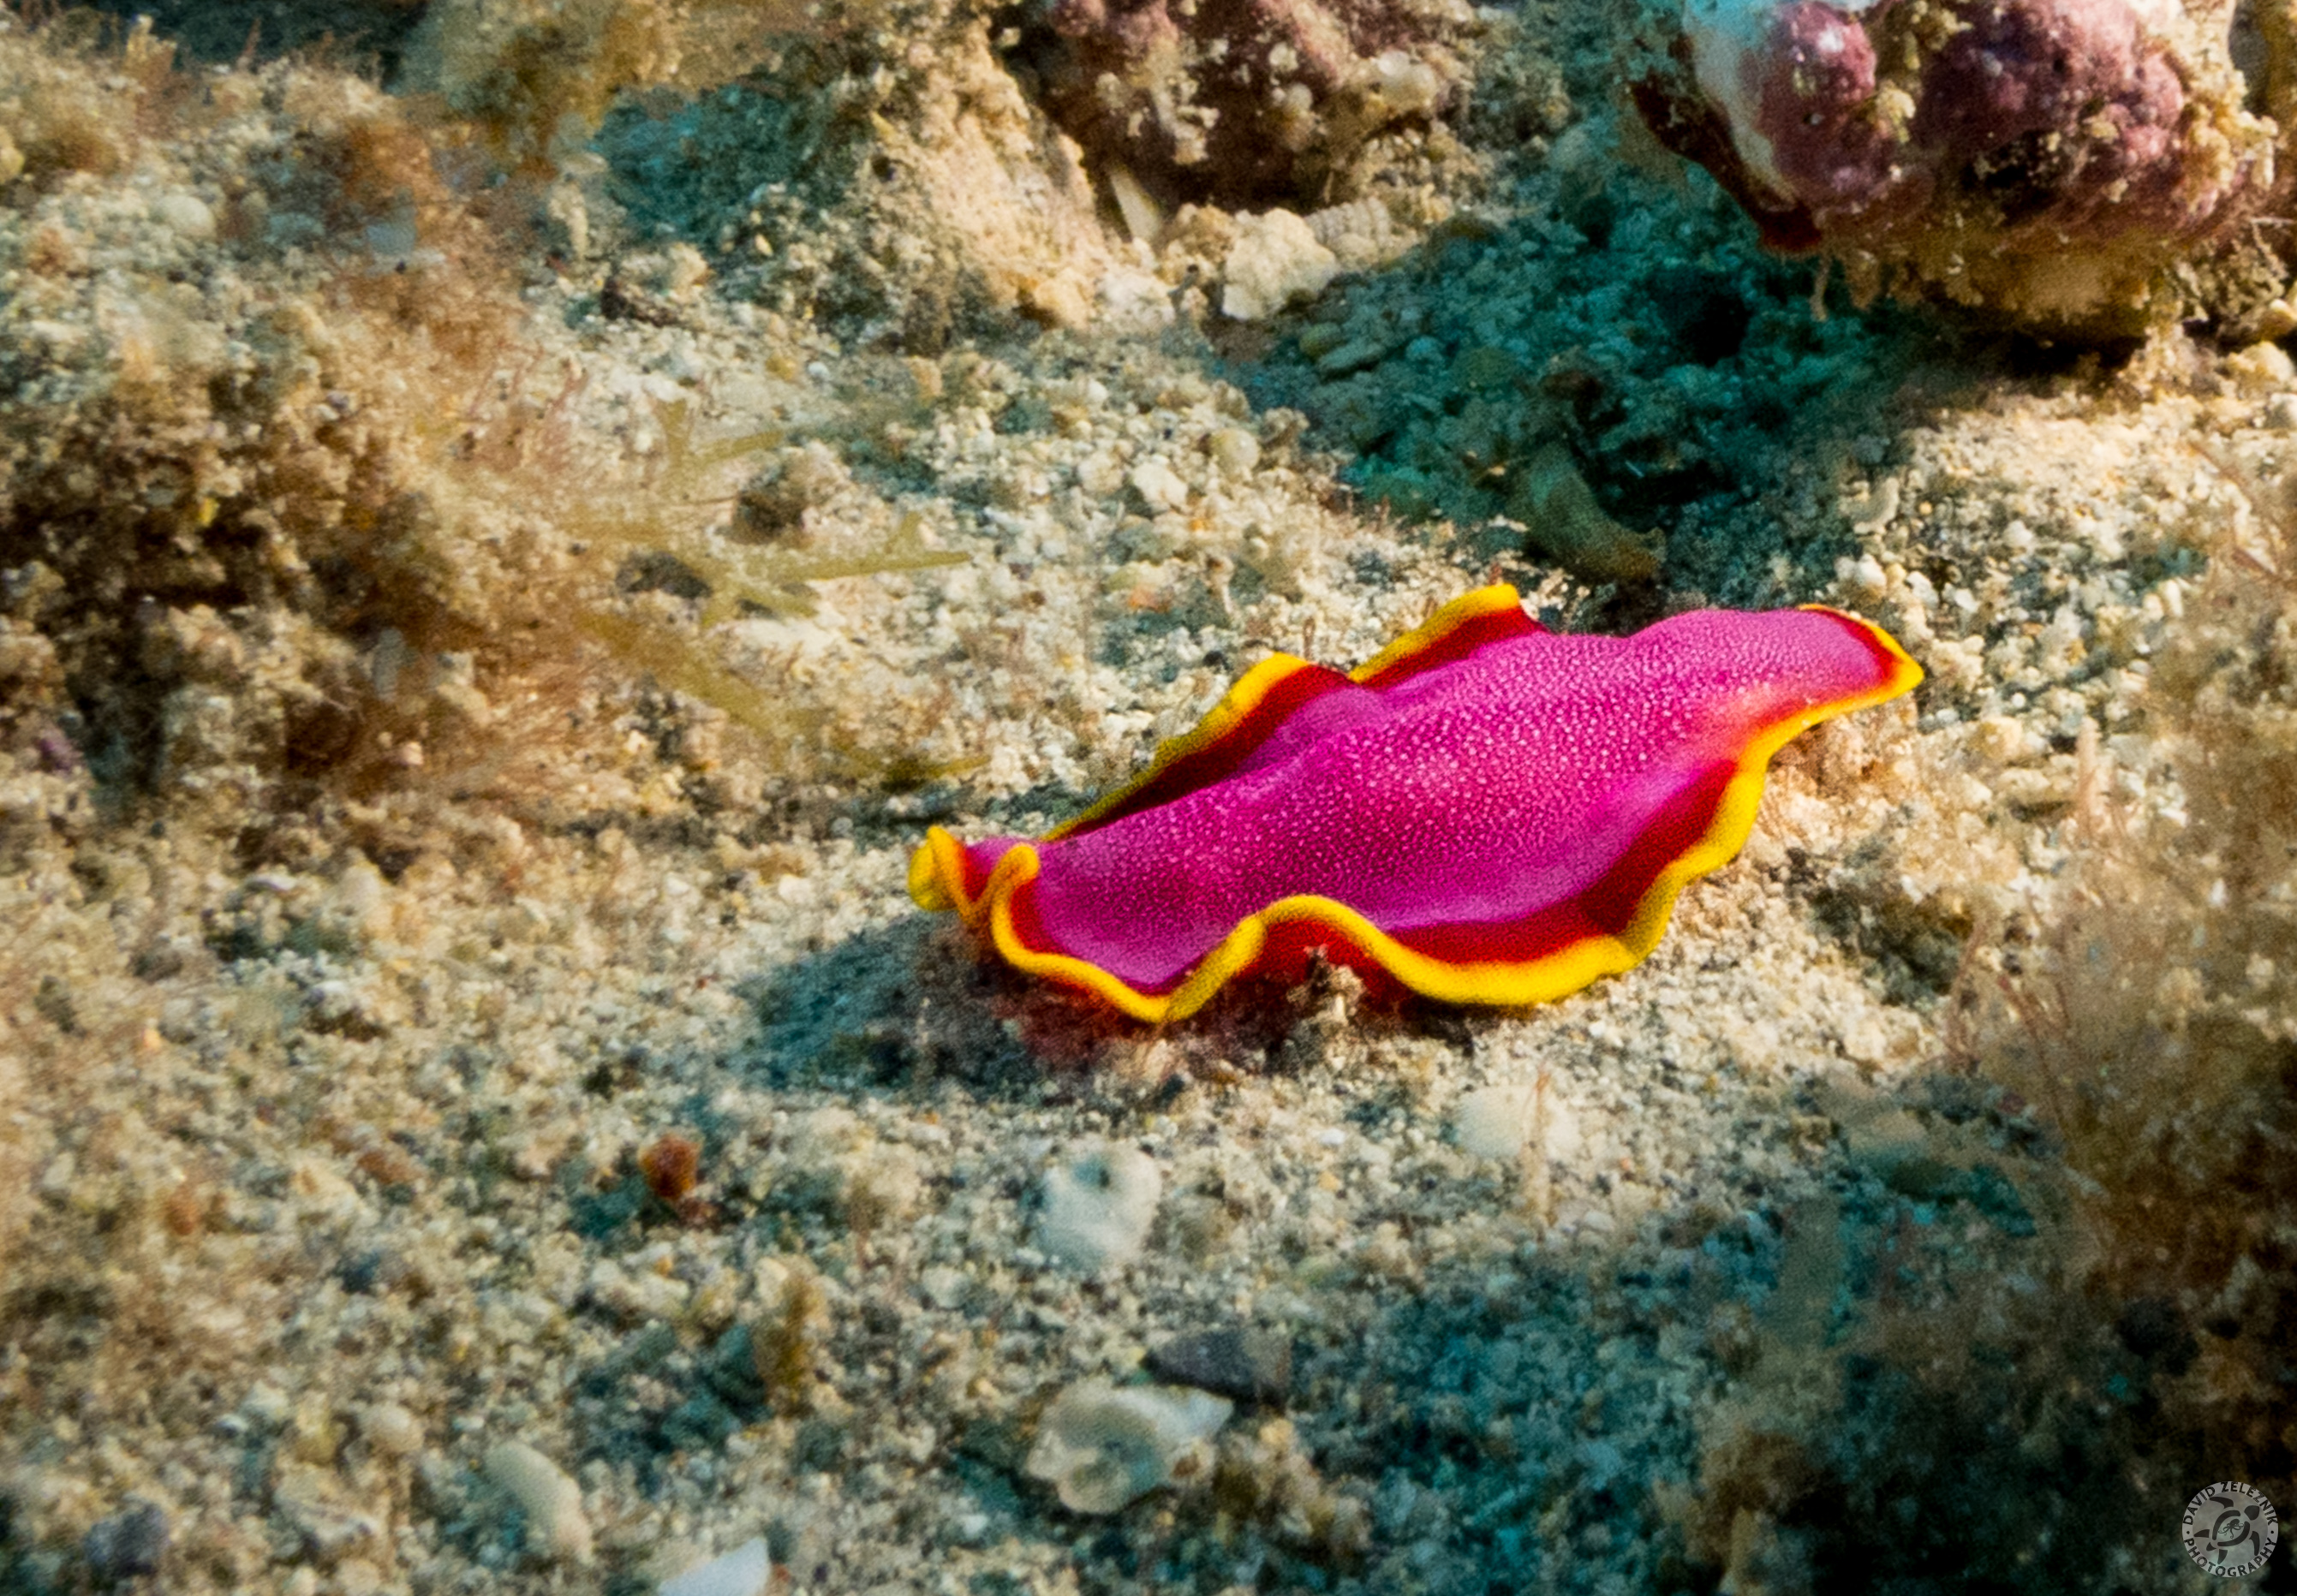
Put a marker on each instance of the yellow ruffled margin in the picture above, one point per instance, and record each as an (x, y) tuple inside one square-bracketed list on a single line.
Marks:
[(937, 876), (1468, 607), (1237, 706)]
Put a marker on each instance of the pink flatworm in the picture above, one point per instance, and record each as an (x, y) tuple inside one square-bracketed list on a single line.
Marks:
[(1488, 811)]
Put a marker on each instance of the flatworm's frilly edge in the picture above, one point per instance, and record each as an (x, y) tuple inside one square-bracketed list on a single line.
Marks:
[(1488, 811)]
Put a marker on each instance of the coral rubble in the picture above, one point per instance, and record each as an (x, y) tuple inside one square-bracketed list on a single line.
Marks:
[(1103, 1446), (2148, 1010), (1244, 100)]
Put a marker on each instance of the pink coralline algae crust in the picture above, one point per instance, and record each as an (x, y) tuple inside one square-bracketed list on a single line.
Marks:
[(2045, 156), (1828, 155), (2073, 117), (1487, 812), (1236, 100)]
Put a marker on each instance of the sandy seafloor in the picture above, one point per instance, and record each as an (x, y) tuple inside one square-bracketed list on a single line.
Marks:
[(322, 1153)]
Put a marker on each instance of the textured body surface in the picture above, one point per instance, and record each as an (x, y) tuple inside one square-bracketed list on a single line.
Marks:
[(466, 708), (1489, 812)]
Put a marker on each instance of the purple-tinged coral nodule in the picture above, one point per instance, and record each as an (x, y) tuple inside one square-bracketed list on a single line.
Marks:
[(1809, 114), (2067, 111), (2008, 152)]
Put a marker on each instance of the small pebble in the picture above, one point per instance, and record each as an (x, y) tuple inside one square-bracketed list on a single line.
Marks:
[(391, 1429), (944, 1287), (2260, 366), (556, 1525), (2276, 321), (306, 1500), (1275, 259), (187, 215), (1352, 356), (1100, 474), (365, 1272), (671, 1166), (1495, 1122), (1236, 450), (265, 1404), (1103, 1447), (1099, 1201), (2000, 738), (1252, 1366), (744, 1571), (129, 1544), (1159, 486)]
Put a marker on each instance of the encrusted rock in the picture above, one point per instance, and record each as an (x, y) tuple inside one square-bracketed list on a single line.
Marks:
[(2042, 159), (1243, 100)]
